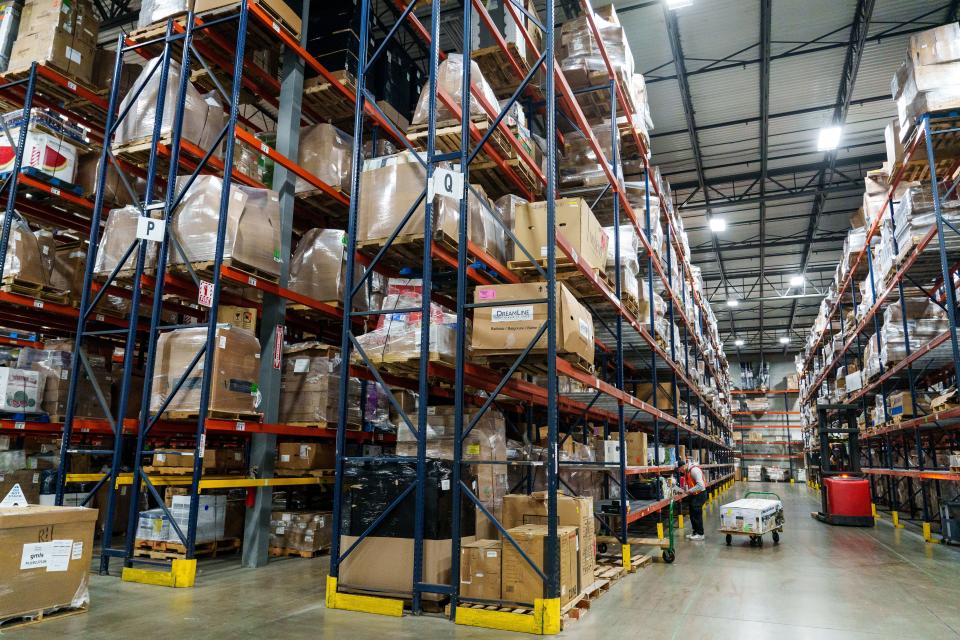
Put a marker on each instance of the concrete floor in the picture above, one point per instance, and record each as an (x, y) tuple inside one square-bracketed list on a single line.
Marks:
[(821, 582)]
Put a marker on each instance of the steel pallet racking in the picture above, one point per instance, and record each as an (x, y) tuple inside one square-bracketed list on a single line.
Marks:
[(779, 425), (631, 345), (214, 44), (905, 456)]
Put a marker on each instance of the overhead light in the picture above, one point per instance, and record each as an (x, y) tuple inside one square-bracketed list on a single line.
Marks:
[(732, 302), (678, 4), (717, 224), (796, 281), (784, 340), (738, 342), (829, 138)]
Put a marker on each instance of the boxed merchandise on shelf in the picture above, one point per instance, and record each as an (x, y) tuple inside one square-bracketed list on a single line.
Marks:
[(213, 460), (23, 259), (327, 153), (480, 569), (54, 367), (304, 456), (306, 531), (233, 381), (318, 267), (59, 34), (41, 573), (750, 515), (51, 146), (154, 525), (521, 582), (450, 81), (574, 220), (253, 225), (119, 232), (929, 79), (21, 390), (511, 327), (579, 53)]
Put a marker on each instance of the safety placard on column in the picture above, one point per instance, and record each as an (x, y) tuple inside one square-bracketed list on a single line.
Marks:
[(205, 296), (278, 346), (150, 229), (446, 183)]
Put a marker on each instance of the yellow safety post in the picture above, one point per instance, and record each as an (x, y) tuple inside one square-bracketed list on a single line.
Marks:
[(791, 480), (660, 530), (626, 559), (873, 508), (927, 535), (895, 515), (680, 521), (364, 604), (182, 573)]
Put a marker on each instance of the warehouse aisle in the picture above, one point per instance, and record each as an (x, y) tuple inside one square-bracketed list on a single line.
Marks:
[(821, 582)]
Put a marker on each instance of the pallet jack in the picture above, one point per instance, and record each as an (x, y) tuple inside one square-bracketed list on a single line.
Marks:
[(844, 490)]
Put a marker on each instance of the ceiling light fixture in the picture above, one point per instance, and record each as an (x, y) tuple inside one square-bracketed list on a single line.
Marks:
[(784, 340), (717, 224), (796, 281), (738, 342), (829, 138), (733, 302), (678, 4)]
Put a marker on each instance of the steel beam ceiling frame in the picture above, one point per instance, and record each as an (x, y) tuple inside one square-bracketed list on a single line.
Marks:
[(851, 66), (673, 32), (765, 37)]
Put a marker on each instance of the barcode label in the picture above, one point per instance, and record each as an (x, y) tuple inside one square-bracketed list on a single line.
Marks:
[(71, 85), (252, 281), (55, 191), (276, 27), (38, 304), (264, 148), (20, 425), (241, 426)]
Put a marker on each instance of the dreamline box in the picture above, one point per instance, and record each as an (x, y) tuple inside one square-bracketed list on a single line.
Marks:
[(753, 515)]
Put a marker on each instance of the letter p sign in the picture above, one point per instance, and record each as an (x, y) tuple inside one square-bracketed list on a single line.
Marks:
[(150, 229)]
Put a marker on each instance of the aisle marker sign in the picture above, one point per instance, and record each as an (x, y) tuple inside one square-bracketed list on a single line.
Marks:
[(205, 295), (446, 183), (150, 229)]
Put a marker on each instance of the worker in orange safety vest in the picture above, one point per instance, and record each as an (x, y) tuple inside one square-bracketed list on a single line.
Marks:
[(692, 481)]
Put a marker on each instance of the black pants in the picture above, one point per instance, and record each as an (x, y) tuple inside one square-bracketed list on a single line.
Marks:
[(696, 511)]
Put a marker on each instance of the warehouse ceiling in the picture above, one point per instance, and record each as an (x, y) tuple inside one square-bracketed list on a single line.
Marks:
[(739, 90)]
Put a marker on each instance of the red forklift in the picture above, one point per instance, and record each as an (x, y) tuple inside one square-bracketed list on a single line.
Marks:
[(844, 490)]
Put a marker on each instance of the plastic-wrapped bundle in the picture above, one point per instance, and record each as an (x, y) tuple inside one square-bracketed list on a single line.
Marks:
[(391, 185), (580, 166), (23, 259), (507, 206), (236, 364), (629, 246), (327, 153), (318, 267), (397, 336), (580, 56), (114, 191), (156, 10), (119, 232), (202, 120), (450, 80), (253, 225)]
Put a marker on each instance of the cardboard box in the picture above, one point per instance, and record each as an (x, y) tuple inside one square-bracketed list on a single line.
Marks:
[(243, 317), (510, 328), (576, 512), (480, 563), (610, 452), (636, 448), (301, 530), (305, 455), (59, 50), (900, 405), (664, 395), (20, 390), (935, 46), (236, 364), (213, 459), (521, 583), (28, 479), (47, 558), (23, 260), (291, 20), (385, 565), (574, 220)]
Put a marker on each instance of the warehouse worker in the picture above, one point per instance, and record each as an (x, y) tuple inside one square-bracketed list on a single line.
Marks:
[(692, 480)]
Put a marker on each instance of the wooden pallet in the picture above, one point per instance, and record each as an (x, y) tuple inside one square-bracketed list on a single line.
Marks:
[(566, 271), (163, 550), (499, 73), (534, 363), (204, 270), (322, 96), (496, 183), (285, 552), (304, 473), (13, 284), (56, 93), (406, 251), (405, 366), (212, 414), (38, 615), (946, 147)]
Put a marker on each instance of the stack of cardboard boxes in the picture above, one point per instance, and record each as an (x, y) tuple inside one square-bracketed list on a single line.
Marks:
[(304, 531), (929, 79), (58, 33)]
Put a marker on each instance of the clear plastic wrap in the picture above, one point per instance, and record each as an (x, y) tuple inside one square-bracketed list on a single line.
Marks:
[(391, 185), (327, 153), (629, 247), (114, 191), (236, 364), (318, 267), (253, 225), (54, 367), (23, 259), (580, 166), (450, 80), (507, 206), (119, 232), (138, 125), (579, 54), (156, 10)]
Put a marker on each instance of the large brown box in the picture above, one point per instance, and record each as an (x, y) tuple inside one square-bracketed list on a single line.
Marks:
[(46, 559), (519, 509), (636, 448), (57, 49), (480, 563), (305, 456), (521, 583), (291, 20), (385, 565), (664, 395), (510, 328), (574, 220), (234, 377), (28, 479), (23, 259), (213, 459)]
